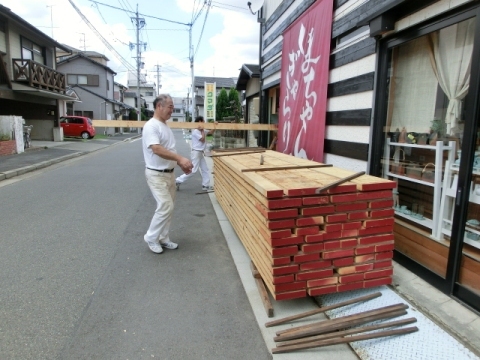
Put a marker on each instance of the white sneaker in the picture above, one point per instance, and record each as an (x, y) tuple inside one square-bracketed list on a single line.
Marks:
[(177, 184), (155, 247), (207, 188), (169, 245)]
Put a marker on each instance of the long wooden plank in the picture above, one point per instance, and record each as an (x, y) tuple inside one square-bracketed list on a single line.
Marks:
[(323, 309), (342, 325), (339, 182), (343, 340), (292, 167), (342, 333), (253, 251), (233, 153), (263, 291), (347, 318), (258, 182), (186, 125)]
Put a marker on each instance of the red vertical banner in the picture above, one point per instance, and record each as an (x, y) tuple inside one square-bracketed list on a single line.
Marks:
[(304, 82)]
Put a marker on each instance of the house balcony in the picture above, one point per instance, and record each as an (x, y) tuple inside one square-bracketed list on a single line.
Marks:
[(38, 76)]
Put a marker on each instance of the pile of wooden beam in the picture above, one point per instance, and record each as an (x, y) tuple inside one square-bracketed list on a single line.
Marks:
[(307, 230), (345, 329)]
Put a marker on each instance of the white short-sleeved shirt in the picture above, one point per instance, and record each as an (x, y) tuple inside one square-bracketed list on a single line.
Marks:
[(156, 132), (196, 143)]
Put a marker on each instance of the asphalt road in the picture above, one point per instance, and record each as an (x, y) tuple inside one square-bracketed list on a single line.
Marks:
[(78, 281)]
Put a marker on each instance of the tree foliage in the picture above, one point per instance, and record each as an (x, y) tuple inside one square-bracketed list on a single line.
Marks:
[(234, 103), (222, 105)]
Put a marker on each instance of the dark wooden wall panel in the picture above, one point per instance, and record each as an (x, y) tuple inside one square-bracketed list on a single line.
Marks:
[(351, 86), (286, 23), (361, 117), (272, 68), (353, 53), (350, 150), (274, 51), (271, 84), (350, 21)]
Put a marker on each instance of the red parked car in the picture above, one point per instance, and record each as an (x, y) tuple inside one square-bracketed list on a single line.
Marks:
[(77, 126)]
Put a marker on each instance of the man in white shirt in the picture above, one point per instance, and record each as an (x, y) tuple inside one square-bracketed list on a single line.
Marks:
[(161, 156), (198, 156)]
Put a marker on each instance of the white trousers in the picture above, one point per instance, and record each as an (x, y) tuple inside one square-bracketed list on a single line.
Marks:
[(199, 162), (164, 191)]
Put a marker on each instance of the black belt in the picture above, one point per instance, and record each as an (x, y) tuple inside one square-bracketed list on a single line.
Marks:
[(164, 170)]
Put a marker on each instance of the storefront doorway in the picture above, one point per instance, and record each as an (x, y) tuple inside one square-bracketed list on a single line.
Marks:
[(425, 138)]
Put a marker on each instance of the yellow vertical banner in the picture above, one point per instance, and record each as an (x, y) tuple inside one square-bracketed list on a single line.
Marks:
[(210, 101)]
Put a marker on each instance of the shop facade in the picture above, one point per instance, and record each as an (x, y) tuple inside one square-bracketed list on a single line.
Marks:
[(401, 103)]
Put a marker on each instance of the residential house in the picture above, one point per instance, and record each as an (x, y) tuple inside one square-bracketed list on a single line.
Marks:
[(387, 87), (119, 92), (93, 81), (199, 84), (146, 89), (248, 84), (178, 109), (31, 86)]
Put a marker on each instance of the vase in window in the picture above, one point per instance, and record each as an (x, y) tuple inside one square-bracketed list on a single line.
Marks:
[(403, 136), (422, 139)]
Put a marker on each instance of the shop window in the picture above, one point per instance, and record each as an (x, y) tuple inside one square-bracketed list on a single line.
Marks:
[(428, 79)]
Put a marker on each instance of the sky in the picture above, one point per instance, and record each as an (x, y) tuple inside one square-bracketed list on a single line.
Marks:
[(224, 36)]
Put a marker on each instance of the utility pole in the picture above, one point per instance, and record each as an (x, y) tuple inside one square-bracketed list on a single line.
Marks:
[(194, 105), (139, 23), (188, 105), (158, 78)]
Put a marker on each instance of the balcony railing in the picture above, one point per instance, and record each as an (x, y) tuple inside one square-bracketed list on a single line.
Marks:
[(38, 75)]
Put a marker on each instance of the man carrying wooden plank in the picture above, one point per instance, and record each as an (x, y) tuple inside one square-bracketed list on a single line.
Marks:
[(199, 143), (160, 154)]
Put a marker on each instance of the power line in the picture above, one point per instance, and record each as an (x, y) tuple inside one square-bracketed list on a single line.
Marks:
[(153, 17), (228, 7), (203, 27), (105, 42)]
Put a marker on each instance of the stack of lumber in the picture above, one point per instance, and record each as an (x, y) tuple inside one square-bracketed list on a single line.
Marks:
[(303, 242)]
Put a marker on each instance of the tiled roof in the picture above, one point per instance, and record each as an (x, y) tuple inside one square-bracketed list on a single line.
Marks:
[(226, 83)]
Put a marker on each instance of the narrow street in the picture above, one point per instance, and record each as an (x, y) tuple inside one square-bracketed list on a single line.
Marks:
[(78, 281)]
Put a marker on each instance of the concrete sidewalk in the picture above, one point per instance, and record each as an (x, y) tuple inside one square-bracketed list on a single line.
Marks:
[(445, 326)]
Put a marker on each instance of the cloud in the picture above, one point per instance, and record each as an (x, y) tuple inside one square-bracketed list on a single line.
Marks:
[(228, 38)]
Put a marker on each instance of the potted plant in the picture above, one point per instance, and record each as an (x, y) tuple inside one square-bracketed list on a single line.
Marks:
[(437, 131)]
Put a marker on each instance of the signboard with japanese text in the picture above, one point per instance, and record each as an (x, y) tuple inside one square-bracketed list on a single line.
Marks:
[(210, 101), (304, 81)]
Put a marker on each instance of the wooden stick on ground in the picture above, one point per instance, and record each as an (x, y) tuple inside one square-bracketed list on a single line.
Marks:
[(348, 332), (343, 322), (344, 318), (348, 339), (262, 290), (322, 309)]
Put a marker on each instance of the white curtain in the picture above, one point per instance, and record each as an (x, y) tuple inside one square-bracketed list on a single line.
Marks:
[(413, 88), (451, 55)]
